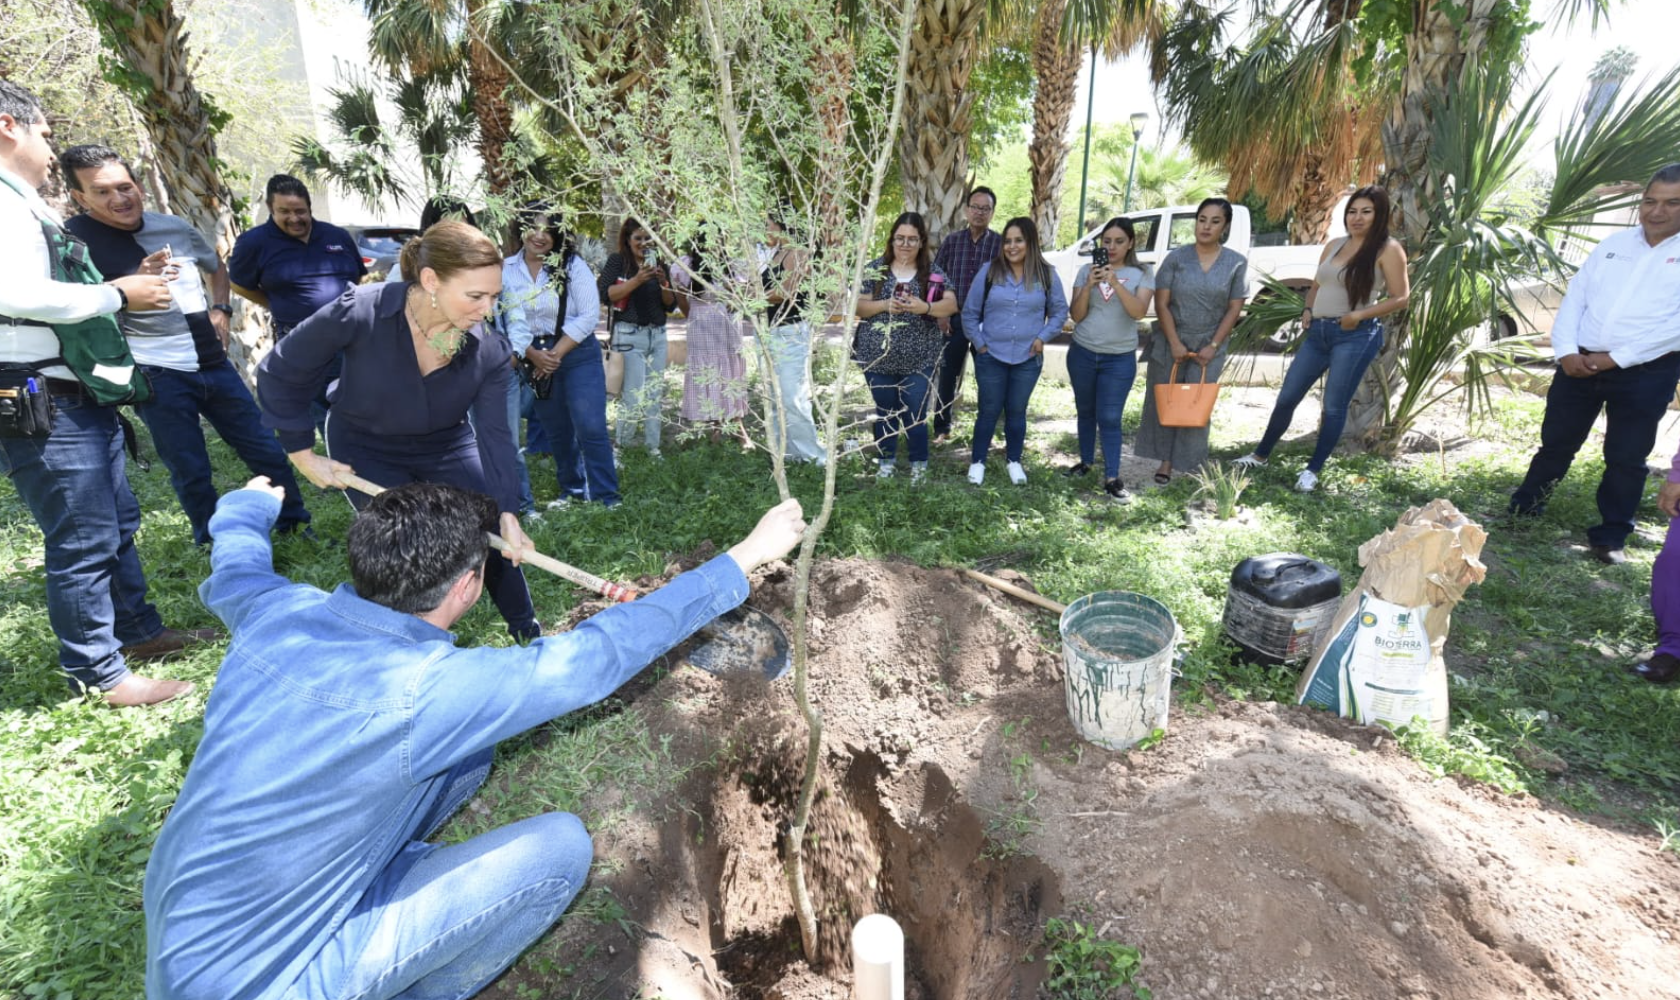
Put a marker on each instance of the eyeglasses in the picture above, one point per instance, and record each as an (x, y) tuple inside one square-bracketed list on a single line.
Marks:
[(982, 209), (907, 241)]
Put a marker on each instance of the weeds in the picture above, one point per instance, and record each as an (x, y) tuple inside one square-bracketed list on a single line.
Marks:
[(1081, 966), (1223, 484)]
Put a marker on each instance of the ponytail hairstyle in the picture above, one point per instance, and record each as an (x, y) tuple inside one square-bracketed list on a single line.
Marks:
[(449, 247), (1360, 274), (1126, 226)]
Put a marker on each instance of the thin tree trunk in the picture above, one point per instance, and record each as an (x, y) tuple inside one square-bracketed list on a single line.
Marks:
[(933, 147), (1056, 64), (1444, 37)]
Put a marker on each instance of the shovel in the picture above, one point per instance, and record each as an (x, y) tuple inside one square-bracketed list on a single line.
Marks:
[(588, 581), (739, 640), (1014, 591)]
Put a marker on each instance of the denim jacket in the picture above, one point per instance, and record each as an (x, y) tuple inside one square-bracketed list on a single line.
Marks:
[(331, 718)]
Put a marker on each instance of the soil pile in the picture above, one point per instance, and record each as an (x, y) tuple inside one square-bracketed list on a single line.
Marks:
[(1259, 850)]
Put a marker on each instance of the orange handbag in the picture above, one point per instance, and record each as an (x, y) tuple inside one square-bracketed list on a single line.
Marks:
[(1185, 404)]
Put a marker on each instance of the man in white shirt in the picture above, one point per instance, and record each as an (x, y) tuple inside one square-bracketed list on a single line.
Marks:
[(1617, 341), (72, 478)]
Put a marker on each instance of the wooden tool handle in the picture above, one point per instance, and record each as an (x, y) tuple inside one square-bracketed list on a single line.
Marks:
[(1014, 591), (588, 581)]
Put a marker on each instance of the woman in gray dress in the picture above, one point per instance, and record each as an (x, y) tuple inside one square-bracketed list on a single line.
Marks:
[(1198, 296)]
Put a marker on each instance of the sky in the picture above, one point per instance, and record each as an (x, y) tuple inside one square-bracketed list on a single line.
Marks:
[(1651, 28)]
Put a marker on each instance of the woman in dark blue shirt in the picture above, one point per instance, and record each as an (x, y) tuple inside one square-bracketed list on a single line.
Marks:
[(417, 359)]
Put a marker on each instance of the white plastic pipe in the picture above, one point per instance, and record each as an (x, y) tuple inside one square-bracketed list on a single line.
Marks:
[(877, 959)]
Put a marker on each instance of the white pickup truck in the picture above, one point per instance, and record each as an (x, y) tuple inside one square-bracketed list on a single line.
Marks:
[(1162, 229)]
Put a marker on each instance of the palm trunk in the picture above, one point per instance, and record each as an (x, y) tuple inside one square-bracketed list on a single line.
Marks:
[(835, 70), (933, 146), (147, 36), (1056, 65), (1315, 201), (489, 80), (1444, 38)]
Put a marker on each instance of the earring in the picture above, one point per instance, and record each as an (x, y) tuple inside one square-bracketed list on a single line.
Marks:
[(434, 300)]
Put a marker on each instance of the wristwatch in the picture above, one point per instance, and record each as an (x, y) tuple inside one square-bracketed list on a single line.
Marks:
[(223, 307)]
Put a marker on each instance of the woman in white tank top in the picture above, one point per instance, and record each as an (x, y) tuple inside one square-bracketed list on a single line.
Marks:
[(1344, 329)]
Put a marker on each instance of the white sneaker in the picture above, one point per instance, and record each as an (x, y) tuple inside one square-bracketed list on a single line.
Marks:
[(1249, 461), (1017, 475), (561, 504), (653, 453), (918, 472), (886, 469), (1307, 481), (977, 473)]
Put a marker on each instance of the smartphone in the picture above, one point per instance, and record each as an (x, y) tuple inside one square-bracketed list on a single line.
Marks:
[(901, 291), (651, 258), (1099, 256)]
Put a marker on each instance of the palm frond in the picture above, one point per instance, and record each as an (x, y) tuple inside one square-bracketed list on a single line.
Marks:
[(1604, 162)]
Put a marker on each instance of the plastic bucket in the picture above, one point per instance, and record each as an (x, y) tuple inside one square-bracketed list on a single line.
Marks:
[(1117, 656)]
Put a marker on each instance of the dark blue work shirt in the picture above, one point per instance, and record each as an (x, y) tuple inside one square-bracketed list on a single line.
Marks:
[(381, 392), (298, 277)]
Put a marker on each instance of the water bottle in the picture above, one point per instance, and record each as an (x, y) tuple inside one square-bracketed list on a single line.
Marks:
[(936, 287)]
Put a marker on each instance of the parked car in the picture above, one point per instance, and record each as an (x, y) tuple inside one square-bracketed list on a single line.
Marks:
[(380, 245)]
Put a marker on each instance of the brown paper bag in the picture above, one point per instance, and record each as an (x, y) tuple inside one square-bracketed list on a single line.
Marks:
[(1383, 662)]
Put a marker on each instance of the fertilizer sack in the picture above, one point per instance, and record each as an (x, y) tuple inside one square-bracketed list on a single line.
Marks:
[(1382, 661)]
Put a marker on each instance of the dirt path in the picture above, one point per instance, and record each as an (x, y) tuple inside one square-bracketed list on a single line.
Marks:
[(1258, 851)]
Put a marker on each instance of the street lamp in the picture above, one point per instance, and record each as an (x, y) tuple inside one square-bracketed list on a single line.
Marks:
[(1138, 120), (1085, 168)]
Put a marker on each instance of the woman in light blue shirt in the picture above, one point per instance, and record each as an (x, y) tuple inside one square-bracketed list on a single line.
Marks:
[(551, 308), (1014, 307)]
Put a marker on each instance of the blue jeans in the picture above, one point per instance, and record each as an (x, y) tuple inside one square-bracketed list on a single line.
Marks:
[(1633, 401), (1003, 390), (900, 408), (790, 351), (521, 401), (575, 418), (73, 483), (951, 363), (643, 392), (1345, 354), (1101, 383), (219, 395), (440, 923)]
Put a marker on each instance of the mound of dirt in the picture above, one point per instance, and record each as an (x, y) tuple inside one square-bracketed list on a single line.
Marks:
[(1259, 850)]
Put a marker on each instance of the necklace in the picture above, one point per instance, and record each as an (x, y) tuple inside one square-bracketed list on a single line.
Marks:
[(445, 342)]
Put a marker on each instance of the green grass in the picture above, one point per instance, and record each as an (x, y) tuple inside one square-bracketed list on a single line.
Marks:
[(1538, 650)]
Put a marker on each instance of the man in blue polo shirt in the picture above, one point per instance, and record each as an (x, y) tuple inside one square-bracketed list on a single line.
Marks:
[(182, 349), (294, 264)]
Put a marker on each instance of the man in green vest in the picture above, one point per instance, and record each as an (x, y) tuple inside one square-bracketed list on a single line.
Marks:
[(62, 354)]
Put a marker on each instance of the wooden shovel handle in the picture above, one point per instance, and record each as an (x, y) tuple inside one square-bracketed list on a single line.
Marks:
[(1014, 591), (588, 581)]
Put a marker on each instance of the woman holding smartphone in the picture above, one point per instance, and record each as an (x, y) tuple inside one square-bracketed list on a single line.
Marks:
[(638, 291), (897, 343), (1110, 295)]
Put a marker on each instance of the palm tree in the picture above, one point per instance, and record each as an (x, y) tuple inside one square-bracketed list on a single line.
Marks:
[(1063, 32), (434, 39), (1294, 109), (149, 40), (434, 117)]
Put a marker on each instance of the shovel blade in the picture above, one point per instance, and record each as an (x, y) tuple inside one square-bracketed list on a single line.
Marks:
[(745, 639)]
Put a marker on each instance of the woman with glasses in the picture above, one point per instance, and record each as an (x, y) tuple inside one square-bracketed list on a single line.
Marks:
[(1199, 293), (1015, 307), (638, 292), (1108, 300), (898, 343)]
